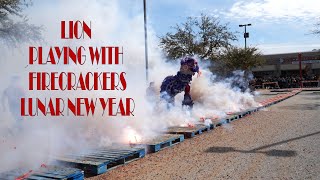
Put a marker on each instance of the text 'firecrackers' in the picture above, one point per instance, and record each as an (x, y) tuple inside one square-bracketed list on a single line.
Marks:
[(72, 81)]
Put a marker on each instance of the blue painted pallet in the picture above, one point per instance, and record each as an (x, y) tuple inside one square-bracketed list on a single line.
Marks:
[(224, 121), (48, 172), (252, 110), (242, 114), (230, 118), (188, 132), (98, 161), (258, 109), (162, 141), (237, 115), (209, 123), (212, 126)]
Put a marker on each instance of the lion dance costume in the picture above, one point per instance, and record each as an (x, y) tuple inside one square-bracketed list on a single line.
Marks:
[(172, 85)]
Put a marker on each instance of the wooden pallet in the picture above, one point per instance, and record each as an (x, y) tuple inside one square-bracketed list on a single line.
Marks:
[(188, 132), (223, 121), (98, 161), (48, 172), (242, 114), (230, 118), (161, 142), (252, 110), (239, 115), (236, 116), (279, 98), (212, 126)]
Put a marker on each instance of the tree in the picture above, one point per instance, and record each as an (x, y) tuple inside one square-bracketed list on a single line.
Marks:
[(204, 36), (235, 58), (317, 30), (14, 27)]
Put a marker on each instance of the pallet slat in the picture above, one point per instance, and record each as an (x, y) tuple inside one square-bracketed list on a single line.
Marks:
[(220, 122), (43, 173), (161, 142), (188, 132), (98, 161)]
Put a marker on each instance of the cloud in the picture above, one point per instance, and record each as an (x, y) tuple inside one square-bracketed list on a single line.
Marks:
[(274, 10), (287, 47)]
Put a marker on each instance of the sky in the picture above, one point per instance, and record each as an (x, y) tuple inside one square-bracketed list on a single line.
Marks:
[(278, 26)]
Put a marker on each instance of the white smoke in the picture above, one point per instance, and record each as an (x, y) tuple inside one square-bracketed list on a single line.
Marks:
[(113, 23)]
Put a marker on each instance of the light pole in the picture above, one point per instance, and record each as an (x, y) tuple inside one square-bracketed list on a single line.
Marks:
[(245, 35), (300, 69), (145, 39)]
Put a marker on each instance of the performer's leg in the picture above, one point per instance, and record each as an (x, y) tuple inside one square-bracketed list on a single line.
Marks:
[(169, 99), (187, 101)]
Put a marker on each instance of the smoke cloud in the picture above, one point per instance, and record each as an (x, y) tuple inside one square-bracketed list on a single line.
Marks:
[(35, 140)]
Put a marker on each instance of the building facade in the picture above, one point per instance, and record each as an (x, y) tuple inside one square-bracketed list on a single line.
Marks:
[(284, 65)]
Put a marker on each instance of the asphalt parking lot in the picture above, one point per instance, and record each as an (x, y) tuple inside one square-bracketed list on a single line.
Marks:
[(280, 142)]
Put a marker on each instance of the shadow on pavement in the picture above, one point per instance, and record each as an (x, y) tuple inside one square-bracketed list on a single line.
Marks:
[(301, 107), (272, 152), (313, 98), (310, 94)]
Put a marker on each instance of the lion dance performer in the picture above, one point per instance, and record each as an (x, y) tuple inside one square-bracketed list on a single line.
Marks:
[(172, 85)]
